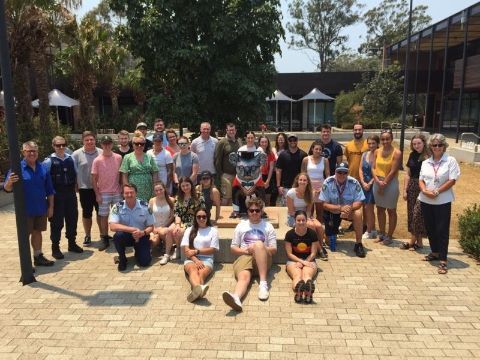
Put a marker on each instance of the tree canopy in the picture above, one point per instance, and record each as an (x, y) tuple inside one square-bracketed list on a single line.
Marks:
[(388, 23), (318, 26), (204, 60)]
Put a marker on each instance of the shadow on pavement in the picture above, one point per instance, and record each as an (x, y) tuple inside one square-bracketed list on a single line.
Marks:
[(101, 298)]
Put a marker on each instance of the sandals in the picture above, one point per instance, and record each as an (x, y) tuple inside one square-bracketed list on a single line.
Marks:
[(299, 288), (406, 246), (308, 293), (430, 257), (442, 268), (415, 247)]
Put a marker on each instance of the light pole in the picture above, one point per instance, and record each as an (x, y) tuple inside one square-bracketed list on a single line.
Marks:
[(405, 80)]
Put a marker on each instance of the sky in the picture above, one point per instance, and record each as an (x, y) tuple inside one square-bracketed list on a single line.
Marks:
[(293, 61)]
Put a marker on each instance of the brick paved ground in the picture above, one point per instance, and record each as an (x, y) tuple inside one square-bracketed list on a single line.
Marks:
[(389, 305)]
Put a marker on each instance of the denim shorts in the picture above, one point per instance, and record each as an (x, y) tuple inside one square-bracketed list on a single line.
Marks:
[(207, 260)]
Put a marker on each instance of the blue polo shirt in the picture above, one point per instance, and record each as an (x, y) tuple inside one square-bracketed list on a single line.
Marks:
[(37, 185)]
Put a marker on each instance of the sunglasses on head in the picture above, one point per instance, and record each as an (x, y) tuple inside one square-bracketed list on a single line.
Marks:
[(138, 143), (60, 145), (201, 217), (256, 211), (437, 145)]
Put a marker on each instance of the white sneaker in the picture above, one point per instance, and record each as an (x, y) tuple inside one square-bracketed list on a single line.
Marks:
[(232, 301), (366, 235), (263, 293), (195, 293), (204, 290), (176, 254), (373, 234), (164, 259)]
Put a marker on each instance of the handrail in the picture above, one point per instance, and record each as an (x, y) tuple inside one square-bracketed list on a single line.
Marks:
[(470, 144)]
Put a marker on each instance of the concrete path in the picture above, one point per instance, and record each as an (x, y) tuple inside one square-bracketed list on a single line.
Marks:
[(389, 305)]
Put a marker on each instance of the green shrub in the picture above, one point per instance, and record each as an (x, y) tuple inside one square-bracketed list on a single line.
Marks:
[(469, 224)]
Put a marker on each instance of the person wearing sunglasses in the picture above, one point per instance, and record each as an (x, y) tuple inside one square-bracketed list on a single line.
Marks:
[(38, 188), (210, 193), (438, 175), (61, 168), (199, 244), (254, 242), (342, 198), (143, 128), (140, 169), (185, 162)]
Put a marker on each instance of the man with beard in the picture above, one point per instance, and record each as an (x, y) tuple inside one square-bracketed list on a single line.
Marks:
[(354, 150), (332, 150)]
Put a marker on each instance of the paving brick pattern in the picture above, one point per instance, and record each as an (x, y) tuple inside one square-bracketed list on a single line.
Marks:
[(389, 305)]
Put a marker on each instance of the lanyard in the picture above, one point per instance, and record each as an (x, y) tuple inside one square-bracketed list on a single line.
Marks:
[(341, 189), (436, 167)]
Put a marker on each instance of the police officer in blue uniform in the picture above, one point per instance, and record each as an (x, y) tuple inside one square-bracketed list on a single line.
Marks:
[(61, 168), (132, 222), (342, 198)]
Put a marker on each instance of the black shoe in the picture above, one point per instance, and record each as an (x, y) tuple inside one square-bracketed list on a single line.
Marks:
[(56, 253), (359, 250), (40, 260), (122, 265), (73, 247), (309, 289), (105, 243), (87, 241), (322, 254), (299, 289)]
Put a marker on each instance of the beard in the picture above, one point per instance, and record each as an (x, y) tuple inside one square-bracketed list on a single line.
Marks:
[(358, 136)]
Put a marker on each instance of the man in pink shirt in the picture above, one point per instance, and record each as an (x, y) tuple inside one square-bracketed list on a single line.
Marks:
[(106, 184)]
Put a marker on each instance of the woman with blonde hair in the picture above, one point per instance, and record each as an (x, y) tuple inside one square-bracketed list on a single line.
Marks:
[(300, 197)]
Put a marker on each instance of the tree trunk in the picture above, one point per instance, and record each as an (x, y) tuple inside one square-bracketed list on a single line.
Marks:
[(114, 92), (39, 65), (23, 99)]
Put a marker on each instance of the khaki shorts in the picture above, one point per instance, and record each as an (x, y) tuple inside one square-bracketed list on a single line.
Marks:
[(38, 223), (226, 185), (247, 262)]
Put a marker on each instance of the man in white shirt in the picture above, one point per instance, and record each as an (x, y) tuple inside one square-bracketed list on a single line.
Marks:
[(164, 161), (204, 147), (255, 241)]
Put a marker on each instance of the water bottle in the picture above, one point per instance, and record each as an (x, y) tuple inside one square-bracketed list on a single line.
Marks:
[(333, 242)]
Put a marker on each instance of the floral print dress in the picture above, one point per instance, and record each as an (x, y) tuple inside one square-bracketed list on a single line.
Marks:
[(185, 210)]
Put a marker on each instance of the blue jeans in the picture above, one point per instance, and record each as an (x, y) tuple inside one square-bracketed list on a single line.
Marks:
[(142, 247)]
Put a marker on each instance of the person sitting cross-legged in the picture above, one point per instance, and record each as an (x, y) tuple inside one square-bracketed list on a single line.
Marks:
[(132, 222), (255, 241)]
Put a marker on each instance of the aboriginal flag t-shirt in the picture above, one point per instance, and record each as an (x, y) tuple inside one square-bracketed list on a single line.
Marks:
[(301, 244)]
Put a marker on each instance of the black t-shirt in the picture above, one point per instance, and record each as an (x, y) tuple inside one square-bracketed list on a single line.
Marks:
[(331, 151), (301, 245), (122, 154), (414, 163), (291, 164)]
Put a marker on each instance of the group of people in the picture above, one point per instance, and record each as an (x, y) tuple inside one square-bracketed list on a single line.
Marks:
[(148, 193)]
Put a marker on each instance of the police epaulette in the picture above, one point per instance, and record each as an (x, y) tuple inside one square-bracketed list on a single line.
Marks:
[(143, 203)]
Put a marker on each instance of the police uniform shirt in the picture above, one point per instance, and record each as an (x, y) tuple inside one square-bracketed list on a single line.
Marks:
[(139, 217), (351, 193)]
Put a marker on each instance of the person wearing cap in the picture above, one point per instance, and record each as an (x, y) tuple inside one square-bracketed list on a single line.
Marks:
[(164, 161), (83, 159), (159, 128), (204, 147), (342, 198), (142, 127), (211, 195), (106, 184), (288, 166), (61, 168)]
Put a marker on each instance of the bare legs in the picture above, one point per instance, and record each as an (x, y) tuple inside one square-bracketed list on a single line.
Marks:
[(260, 255), (197, 276)]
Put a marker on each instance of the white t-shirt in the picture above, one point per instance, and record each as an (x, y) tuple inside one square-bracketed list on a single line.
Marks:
[(163, 158), (206, 238), (247, 233), (298, 204), (250, 148)]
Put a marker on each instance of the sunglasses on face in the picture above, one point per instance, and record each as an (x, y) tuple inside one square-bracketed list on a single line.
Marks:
[(31, 151), (138, 143), (292, 140), (205, 178), (60, 145), (342, 173), (437, 145), (182, 144), (201, 217), (256, 211)]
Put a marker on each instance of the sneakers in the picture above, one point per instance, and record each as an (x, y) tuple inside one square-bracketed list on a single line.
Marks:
[(299, 289), (56, 253), (381, 237), (195, 293), (105, 243), (308, 291), (387, 240), (359, 251), (176, 254), (204, 290), (41, 260), (87, 241), (73, 247), (164, 259), (322, 254), (232, 300), (263, 293), (369, 235)]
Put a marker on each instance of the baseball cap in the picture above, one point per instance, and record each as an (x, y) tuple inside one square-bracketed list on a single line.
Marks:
[(205, 173), (292, 136), (343, 166), (141, 124), (106, 139), (157, 137)]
